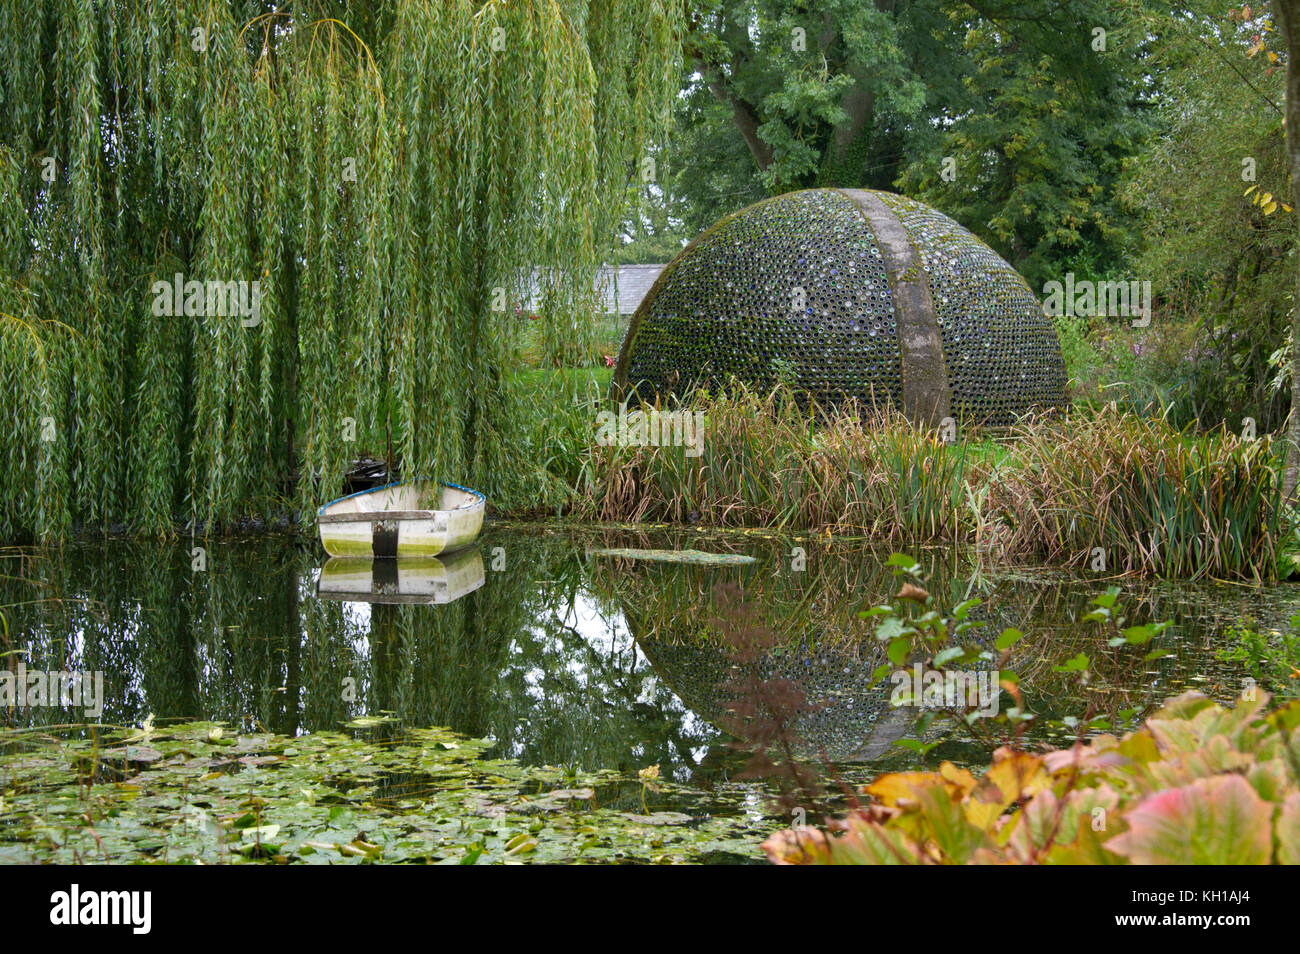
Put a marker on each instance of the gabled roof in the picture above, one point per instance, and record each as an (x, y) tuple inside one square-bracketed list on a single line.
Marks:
[(633, 283), (620, 288)]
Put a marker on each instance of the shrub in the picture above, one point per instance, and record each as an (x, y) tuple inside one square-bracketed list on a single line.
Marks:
[(1197, 784)]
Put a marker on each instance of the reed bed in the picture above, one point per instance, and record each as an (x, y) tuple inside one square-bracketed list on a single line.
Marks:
[(1152, 499), (770, 461)]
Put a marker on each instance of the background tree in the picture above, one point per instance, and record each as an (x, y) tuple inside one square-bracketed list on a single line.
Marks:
[(1028, 147), (1287, 13), (790, 95), (1218, 260), (652, 229), (838, 92)]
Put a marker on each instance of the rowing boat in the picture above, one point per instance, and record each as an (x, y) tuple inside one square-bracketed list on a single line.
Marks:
[(401, 520)]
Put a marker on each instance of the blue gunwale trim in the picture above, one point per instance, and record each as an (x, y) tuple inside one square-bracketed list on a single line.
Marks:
[(397, 483), (467, 490)]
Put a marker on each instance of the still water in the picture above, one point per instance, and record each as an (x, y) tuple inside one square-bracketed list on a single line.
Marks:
[(567, 658)]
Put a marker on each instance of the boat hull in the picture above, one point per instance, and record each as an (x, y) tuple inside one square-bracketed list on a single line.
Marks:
[(388, 521)]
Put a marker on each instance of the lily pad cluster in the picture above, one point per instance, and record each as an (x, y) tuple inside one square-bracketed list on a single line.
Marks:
[(375, 792)]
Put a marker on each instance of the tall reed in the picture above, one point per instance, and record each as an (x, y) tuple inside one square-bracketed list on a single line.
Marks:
[(1103, 490), (769, 461), (1138, 494)]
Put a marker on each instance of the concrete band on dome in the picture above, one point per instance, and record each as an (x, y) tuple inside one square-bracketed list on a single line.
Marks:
[(927, 396)]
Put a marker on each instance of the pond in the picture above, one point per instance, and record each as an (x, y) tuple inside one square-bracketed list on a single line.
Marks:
[(562, 659)]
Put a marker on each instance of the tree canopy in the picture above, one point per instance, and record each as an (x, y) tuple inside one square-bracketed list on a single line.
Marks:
[(1014, 117), (389, 173)]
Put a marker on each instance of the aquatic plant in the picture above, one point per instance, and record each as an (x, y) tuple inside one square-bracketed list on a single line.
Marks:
[(1196, 784), (1107, 491), (929, 647), (768, 460), (378, 183), (1140, 495), (1272, 658), (371, 792)]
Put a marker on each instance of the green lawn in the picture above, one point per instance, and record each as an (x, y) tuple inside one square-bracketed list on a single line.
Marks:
[(609, 339)]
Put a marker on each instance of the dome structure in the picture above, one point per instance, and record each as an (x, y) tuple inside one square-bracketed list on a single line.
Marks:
[(847, 293)]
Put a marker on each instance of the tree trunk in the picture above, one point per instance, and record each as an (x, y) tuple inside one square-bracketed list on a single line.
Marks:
[(1287, 14), (747, 122), (859, 105)]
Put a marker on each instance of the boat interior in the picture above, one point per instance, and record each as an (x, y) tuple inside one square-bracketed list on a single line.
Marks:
[(405, 497)]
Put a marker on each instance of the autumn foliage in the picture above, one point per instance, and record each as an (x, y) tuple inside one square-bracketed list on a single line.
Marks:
[(1196, 784)]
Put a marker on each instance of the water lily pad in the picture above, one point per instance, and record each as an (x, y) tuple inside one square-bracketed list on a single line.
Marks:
[(369, 722), (332, 801), (660, 818), (558, 800), (260, 833), (133, 753)]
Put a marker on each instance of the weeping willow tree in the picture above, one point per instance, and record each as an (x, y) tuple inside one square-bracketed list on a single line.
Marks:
[(372, 185)]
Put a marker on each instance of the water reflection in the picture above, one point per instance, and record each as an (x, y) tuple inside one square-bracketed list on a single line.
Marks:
[(561, 657), (405, 580)]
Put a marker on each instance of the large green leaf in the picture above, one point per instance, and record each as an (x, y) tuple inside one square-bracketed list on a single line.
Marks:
[(1213, 821)]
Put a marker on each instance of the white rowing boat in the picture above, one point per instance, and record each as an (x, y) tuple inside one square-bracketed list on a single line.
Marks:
[(401, 520), (436, 580)]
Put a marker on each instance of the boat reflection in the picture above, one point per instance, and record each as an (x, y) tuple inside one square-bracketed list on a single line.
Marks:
[(437, 580)]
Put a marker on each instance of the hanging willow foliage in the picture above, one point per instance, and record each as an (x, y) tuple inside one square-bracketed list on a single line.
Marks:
[(393, 175)]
